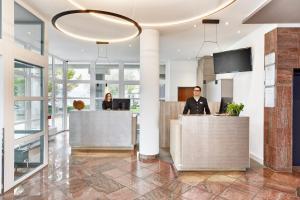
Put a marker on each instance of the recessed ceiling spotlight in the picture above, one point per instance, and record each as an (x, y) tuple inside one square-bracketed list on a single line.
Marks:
[(130, 45), (178, 50), (238, 32), (195, 25), (226, 23), (29, 33)]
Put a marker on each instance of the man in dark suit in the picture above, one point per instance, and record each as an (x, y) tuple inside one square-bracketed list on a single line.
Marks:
[(196, 104)]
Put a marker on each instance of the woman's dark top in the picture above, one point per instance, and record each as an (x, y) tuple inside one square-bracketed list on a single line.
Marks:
[(106, 105)]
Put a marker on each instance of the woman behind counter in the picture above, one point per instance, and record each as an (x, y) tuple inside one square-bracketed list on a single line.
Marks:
[(107, 103)]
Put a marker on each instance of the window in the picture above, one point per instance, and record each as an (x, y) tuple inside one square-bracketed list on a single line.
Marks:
[(112, 88), (50, 90), (131, 72), (90, 83), (78, 90), (162, 82), (29, 30), (107, 72), (77, 71), (133, 93), (56, 90)]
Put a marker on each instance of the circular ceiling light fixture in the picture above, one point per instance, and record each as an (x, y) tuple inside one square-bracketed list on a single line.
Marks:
[(163, 24), (125, 19)]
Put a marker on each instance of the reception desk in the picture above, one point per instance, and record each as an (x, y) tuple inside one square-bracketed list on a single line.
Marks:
[(207, 142), (102, 130)]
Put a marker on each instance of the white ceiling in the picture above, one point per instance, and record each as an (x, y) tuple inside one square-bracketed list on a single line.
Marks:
[(179, 42)]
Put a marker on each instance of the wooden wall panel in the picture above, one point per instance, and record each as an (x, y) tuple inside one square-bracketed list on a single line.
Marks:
[(170, 110)]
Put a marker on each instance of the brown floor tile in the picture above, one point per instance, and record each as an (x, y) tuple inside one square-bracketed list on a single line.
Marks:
[(104, 184), (168, 173), (130, 167), (193, 178), (212, 187), (91, 194), (160, 166), (142, 173), (114, 173), (158, 179), (159, 194), (123, 194), (127, 180), (177, 187), (225, 180), (232, 193), (219, 198), (198, 194), (245, 187), (269, 194), (232, 174), (143, 187), (102, 176)]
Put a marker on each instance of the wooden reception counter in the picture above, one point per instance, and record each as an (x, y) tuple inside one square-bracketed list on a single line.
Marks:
[(207, 142), (102, 130)]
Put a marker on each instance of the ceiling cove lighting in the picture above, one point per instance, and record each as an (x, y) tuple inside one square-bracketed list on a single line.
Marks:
[(97, 12), (163, 24)]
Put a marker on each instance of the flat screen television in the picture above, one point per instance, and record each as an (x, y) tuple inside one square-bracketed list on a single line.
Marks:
[(121, 104), (239, 60)]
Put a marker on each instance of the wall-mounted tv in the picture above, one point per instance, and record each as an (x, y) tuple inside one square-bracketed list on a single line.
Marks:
[(239, 60)]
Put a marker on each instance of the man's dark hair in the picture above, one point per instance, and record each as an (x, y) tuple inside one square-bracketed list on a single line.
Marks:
[(198, 87)]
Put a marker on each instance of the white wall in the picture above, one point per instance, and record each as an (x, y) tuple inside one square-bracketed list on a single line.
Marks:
[(180, 74), (249, 89), (1, 112)]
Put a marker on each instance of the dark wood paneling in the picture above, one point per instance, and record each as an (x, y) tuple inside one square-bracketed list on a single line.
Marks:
[(184, 93)]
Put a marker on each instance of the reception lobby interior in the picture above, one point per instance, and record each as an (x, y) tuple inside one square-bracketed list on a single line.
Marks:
[(63, 138)]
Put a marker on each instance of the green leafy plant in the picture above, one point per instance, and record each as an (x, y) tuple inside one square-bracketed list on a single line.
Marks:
[(234, 109)]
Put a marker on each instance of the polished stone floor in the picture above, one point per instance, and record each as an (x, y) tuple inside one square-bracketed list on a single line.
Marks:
[(122, 177)]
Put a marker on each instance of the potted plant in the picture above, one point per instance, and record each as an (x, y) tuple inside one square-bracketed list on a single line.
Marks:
[(234, 109)]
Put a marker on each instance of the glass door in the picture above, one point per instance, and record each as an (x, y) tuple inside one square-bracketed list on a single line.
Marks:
[(29, 120)]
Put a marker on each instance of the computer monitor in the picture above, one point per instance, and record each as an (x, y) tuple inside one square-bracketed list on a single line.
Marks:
[(224, 102), (121, 104)]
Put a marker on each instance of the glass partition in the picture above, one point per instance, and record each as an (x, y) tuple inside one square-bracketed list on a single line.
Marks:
[(28, 80), (28, 156), (29, 118), (28, 113), (29, 30)]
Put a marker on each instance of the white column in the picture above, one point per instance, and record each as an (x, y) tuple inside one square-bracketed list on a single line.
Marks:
[(149, 99)]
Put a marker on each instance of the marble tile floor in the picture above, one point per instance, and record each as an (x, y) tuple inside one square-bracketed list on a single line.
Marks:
[(122, 177)]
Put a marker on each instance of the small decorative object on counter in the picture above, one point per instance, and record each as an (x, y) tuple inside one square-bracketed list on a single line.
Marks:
[(234, 109), (79, 105)]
